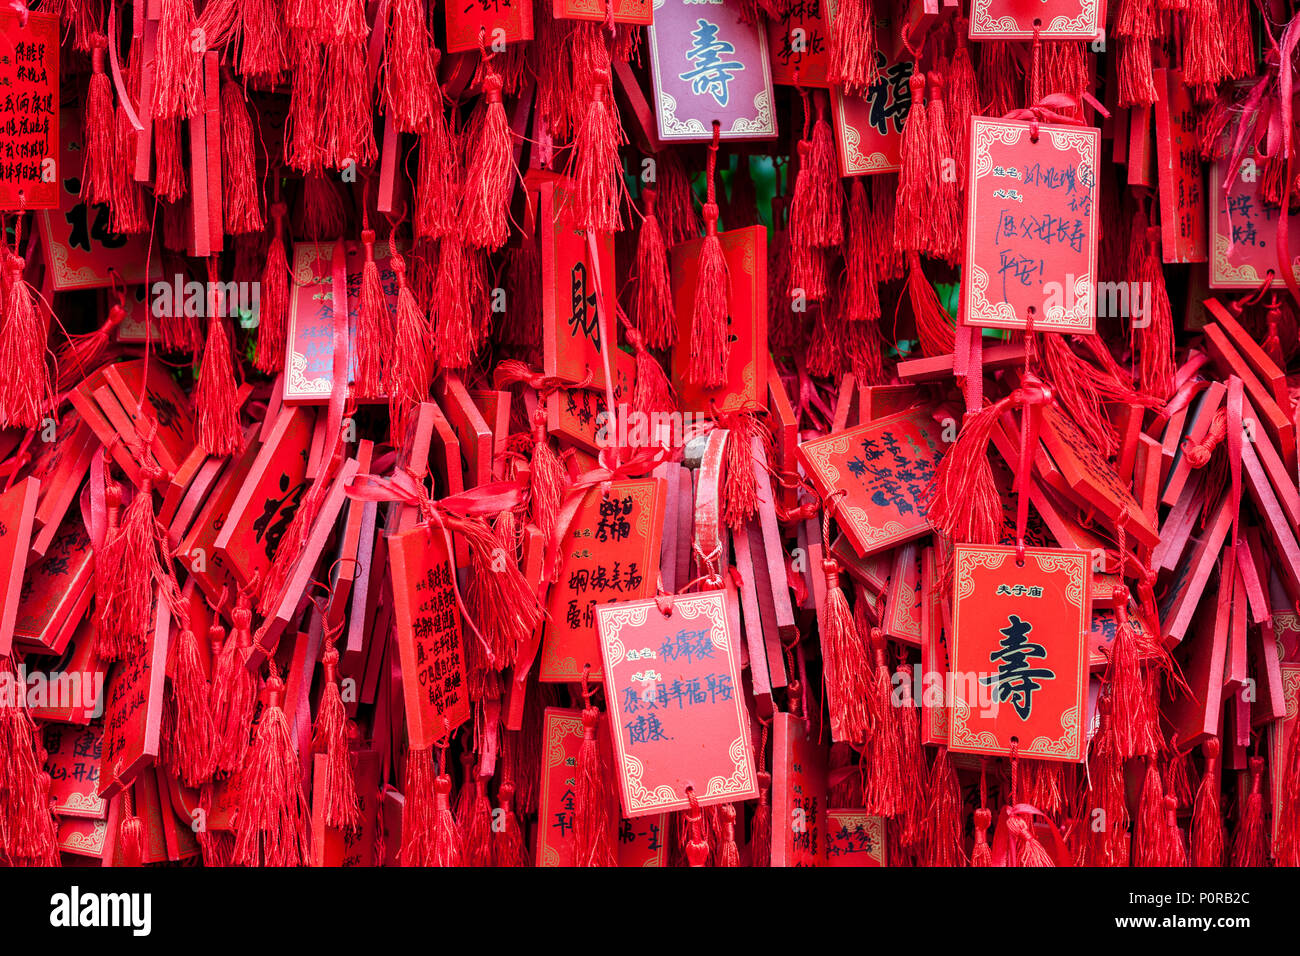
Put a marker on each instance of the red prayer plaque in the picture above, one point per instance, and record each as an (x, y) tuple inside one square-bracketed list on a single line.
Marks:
[(610, 553), (904, 597), (884, 466), (1183, 212), (1019, 652), (1243, 243), (799, 836), (869, 128), (1031, 226), (56, 590), (640, 842), (578, 415), (707, 64), (638, 12), (29, 111), (17, 509), (746, 253), (578, 300), (309, 362), (799, 47), (854, 838), (429, 638), (73, 766), (508, 21), (1051, 19), (81, 251), (676, 703), (342, 847), (133, 710), (936, 628), (1280, 735)]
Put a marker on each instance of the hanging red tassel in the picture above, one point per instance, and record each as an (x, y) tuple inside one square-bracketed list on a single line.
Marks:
[(652, 300), (882, 786), (419, 808), (216, 399), (1133, 714), (410, 78), (1205, 62), (195, 738), (1208, 835), (653, 392), (728, 852), (234, 690), (273, 304), (594, 166), (935, 328), (760, 827), (1176, 844), (853, 45), (478, 827), (919, 783), (943, 812), (79, 357), (739, 492), (130, 832), (437, 207), (489, 166), (1250, 844), (330, 736), (348, 124), (131, 568), (374, 325), (178, 82), (913, 225), (410, 369), (817, 205), (942, 209), (262, 54), (593, 836), (239, 198), (27, 827), (697, 839), (508, 848), (962, 101), (1150, 829), (99, 143), (26, 389), (861, 294), (963, 502), (273, 820), (981, 854), (500, 600), (710, 343), (848, 666), (290, 549), (1029, 851)]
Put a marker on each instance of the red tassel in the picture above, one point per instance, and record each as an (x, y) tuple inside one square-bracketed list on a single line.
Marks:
[(710, 342), (1133, 713), (861, 293), (963, 500), (1071, 380), (500, 600), (489, 167), (437, 208), (913, 225), (697, 842), (419, 809), (131, 568), (942, 210), (82, 355), (100, 143), (177, 80), (1150, 829), (262, 47), (348, 125), (508, 848), (848, 666), (927, 812), (1136, 84), (942, 825), (652, 301), (130, 832), (594, 167), (981, 855), (234, 691), (653, 392), (962, 101), (817, 205), (676, 205), (195, 738), (1239, 46), (1108, 846), (1000, 77), (1029, 851), (935, 328), (216, 399), (729, 853), (478, 828), (1208, 836), (445, 847), (882, 787), (593, 839), (27, 827), (239, 198), (330, 736), (273, 304), (739, 487), (290, 549), (1205, 62), (410, 79), (374, 326), (760, 828), (853, 45), (26, 389), (410, 370), (1250, 844), (272, 824), (1177, 845), (169, 171)]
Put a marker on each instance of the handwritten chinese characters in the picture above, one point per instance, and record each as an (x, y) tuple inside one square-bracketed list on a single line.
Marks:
[(29, 104)]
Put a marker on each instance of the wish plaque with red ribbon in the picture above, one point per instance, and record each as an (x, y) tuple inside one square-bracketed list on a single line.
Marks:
[(1018, 680)]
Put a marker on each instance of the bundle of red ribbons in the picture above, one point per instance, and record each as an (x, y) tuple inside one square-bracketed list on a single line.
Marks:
[(649, 433)]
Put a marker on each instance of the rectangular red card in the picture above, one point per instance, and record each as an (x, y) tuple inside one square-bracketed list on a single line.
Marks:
[(884, 466), (80, 249), (1280, 736), (1019, 652), (800, 830), (17, 511), (73, 766), (268, 497), (1031, 226), (1183, 210), (1025, 19), (309, 362), (869, 129), (706, 64), (472, 431), (610, 553), (577, 321), (854, 838), (637, 12), (133, 710), (640, 842), (29, 111), (676, 704), (198, 547), (904, 596), (578, 416), (746, 253), (164, 403), (1243, 231), (430, 641), (342, 847), (499, 21), (56, 590), (936, 628), (798, 45)]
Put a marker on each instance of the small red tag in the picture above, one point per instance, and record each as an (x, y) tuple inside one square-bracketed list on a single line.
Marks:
[(854, 838), (29, 111)]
